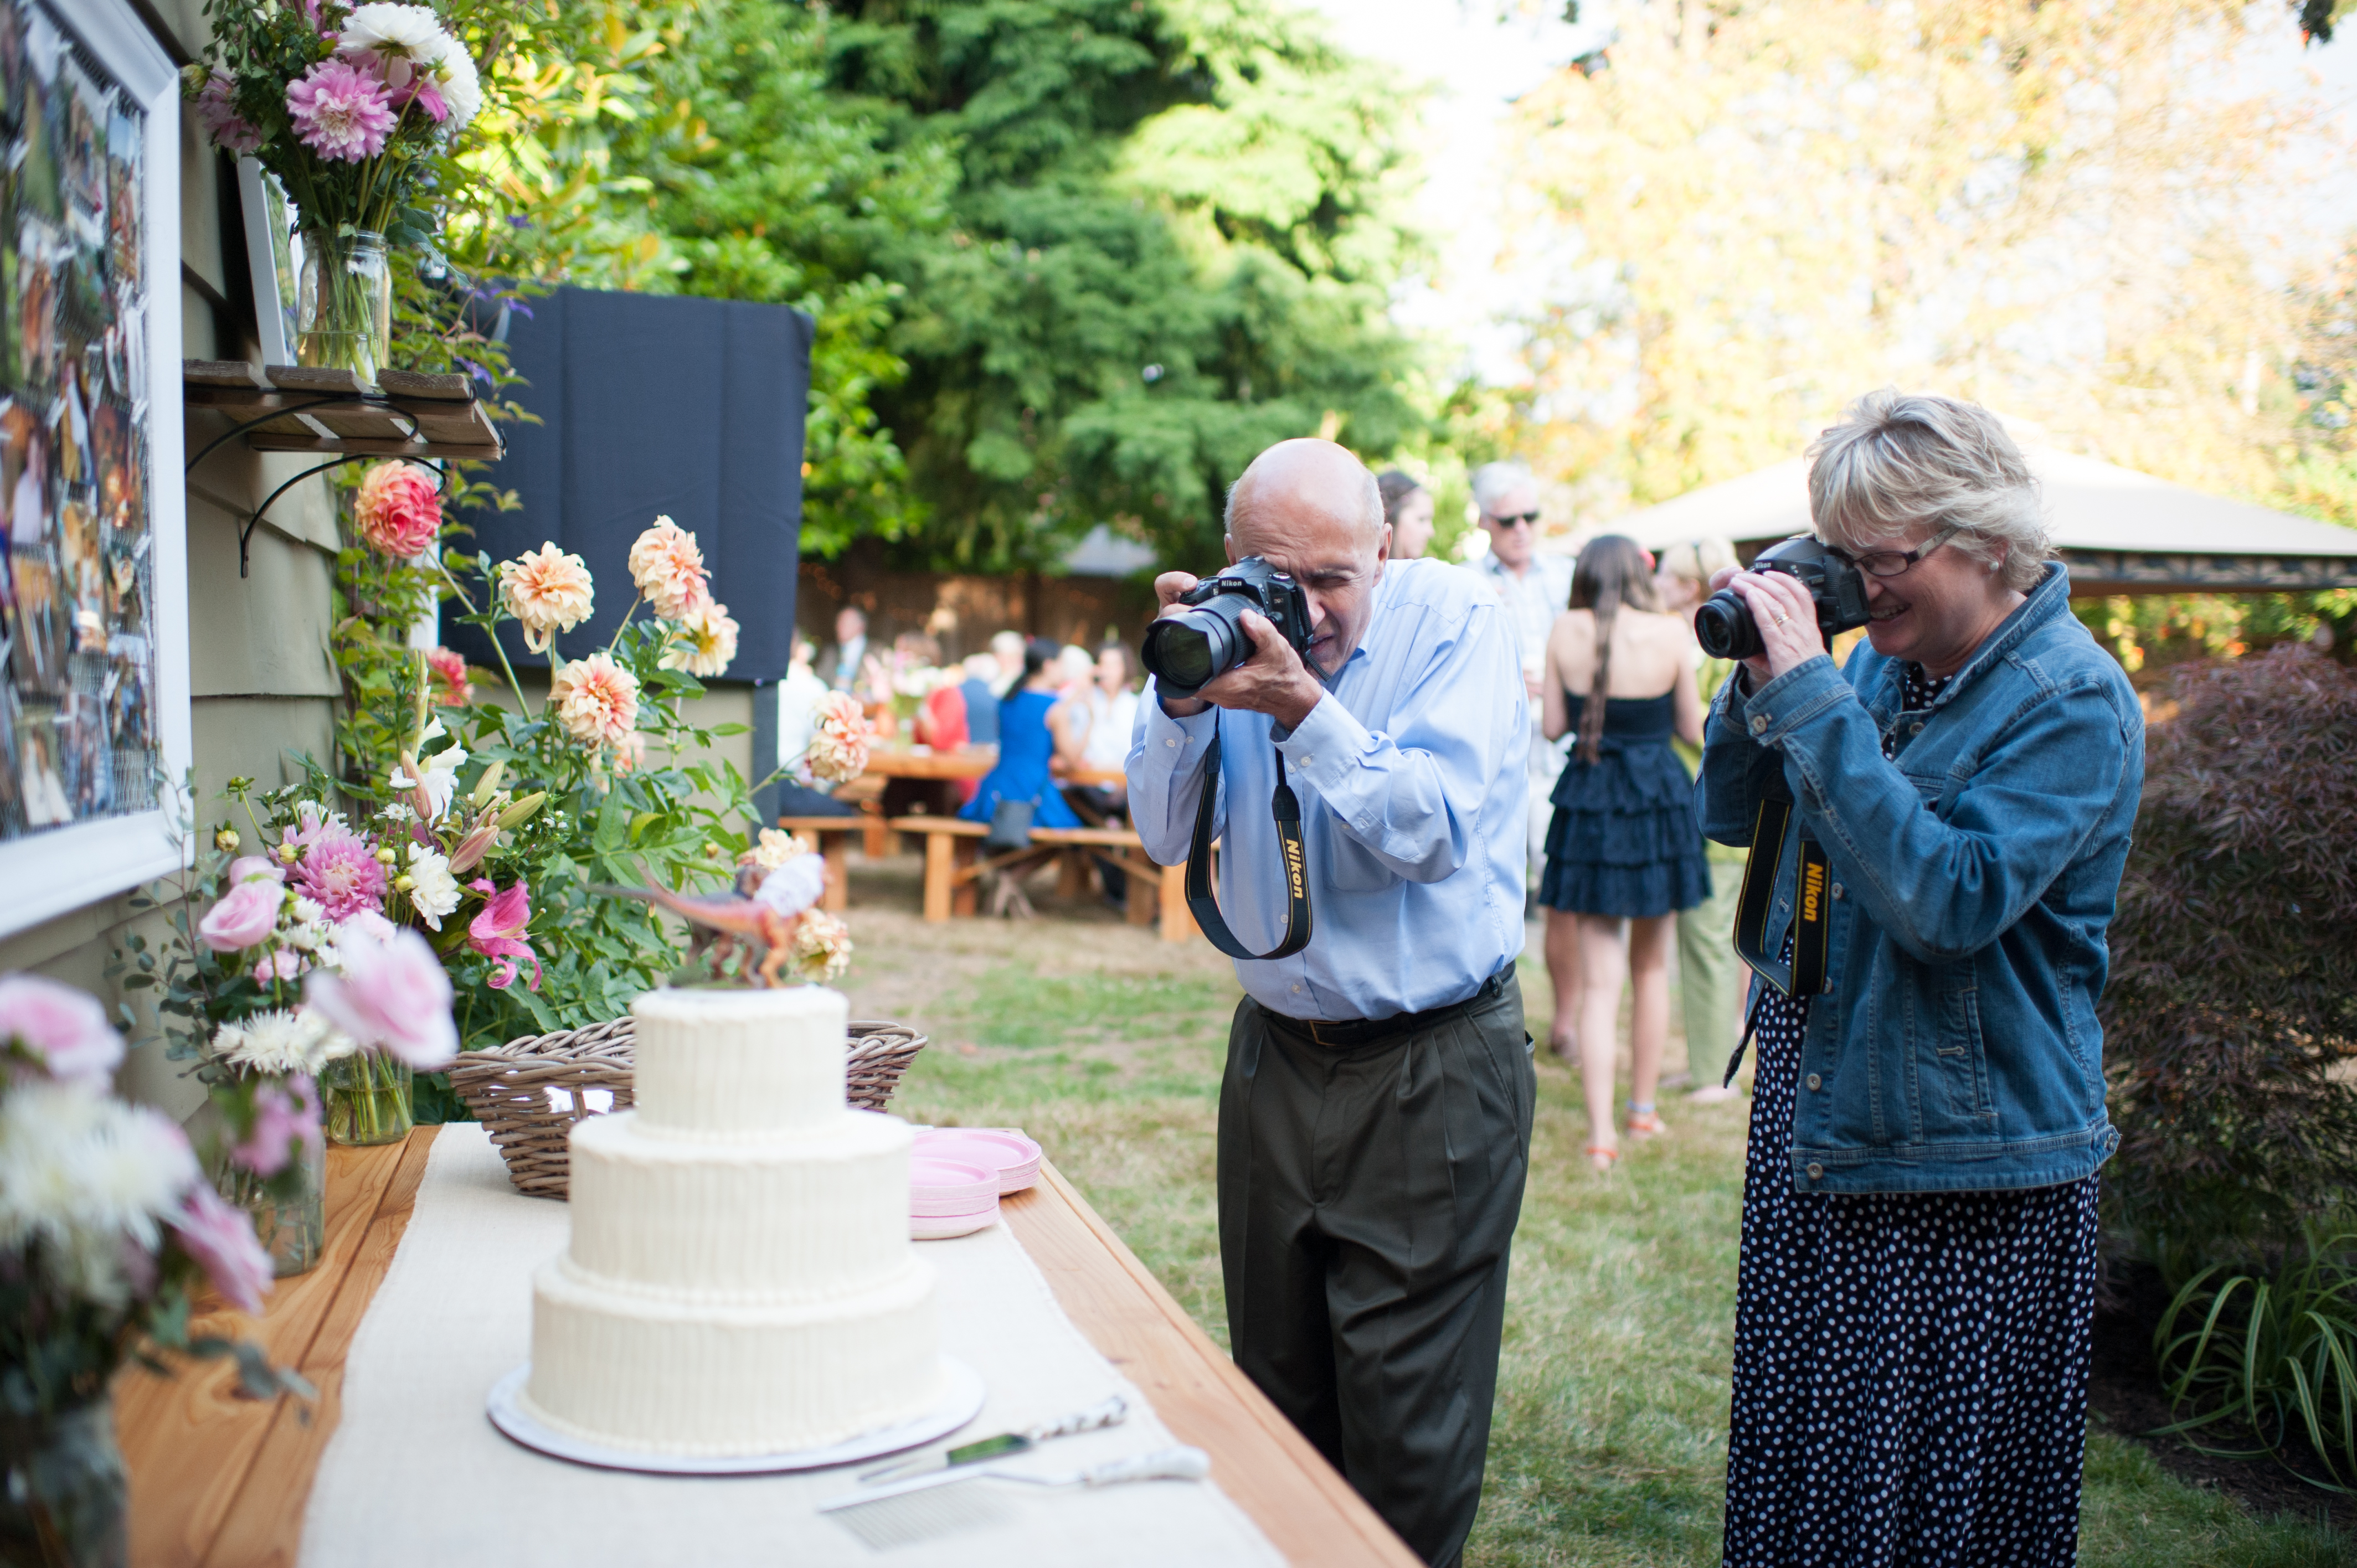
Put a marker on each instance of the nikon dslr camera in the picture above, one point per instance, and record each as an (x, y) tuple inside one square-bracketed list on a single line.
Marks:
[(1186, 652), (1724, 625)]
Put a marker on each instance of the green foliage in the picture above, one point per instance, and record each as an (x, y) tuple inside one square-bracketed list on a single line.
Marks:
[(2273, 1360), (2232, 1000), (1172, 246)]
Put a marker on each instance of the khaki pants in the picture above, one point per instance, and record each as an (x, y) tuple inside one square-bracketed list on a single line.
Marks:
[(1710, 977)]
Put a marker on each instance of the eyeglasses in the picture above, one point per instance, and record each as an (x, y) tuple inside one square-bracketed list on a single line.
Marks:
[(1513, 519), (1892, 563)]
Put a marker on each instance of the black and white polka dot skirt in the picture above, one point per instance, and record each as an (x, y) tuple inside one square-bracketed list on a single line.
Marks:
[(1910, 1370)]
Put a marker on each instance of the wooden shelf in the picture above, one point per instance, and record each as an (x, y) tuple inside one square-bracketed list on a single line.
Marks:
[(328, 412)]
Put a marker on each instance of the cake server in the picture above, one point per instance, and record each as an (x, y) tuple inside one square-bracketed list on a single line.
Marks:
[(900, 1512), (1112, 1413)]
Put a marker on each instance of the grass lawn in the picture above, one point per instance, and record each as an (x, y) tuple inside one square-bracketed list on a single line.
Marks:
[(1610, 1440)]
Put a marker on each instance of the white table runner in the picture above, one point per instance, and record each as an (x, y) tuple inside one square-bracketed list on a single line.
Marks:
[(416, 1473)]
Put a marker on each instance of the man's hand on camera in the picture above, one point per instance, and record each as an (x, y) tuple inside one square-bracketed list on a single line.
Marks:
[(1273, 681), (1168, 588)]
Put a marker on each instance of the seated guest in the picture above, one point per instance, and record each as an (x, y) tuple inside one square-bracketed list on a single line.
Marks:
[(1024, 748), (844, 662), (798, 696), (1008, 648), (980, 690), (941, 724)]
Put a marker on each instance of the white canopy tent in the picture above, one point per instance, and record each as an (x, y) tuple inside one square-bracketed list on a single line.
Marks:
[(2118, 531)]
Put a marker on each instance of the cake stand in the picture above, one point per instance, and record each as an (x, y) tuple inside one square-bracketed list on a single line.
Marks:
[(960, 1401)]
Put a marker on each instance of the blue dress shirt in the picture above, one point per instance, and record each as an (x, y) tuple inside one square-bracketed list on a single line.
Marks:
[(1414, 785)]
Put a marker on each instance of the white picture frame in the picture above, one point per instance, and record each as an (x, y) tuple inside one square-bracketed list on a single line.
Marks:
[(50, 871), (274, 254)]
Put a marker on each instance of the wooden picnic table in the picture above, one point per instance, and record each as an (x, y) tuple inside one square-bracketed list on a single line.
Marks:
[(219, 1479), (893, 760)]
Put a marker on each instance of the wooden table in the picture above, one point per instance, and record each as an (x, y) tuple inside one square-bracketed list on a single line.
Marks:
[(218, 1479), (891, 761)]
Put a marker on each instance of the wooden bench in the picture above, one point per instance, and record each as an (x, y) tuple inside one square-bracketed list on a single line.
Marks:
[(832, 836), (954, 864)]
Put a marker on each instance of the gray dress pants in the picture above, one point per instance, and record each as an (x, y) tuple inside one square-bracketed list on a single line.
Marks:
[(1370, 1180)]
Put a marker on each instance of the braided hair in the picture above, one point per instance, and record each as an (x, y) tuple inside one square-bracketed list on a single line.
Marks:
[(1612, 572)]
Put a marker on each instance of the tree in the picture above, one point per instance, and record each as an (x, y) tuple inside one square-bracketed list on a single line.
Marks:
[(1765, 210), (1171, 244)]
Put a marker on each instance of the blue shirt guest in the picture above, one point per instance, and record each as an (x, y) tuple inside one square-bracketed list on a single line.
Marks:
[(1026, 746), (1375, 1110), (1917, 1285)]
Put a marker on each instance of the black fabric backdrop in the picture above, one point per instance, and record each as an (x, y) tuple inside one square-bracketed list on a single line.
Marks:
[(653, 404)]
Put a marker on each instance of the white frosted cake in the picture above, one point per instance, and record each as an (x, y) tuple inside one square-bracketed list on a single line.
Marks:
[(740, 1279)]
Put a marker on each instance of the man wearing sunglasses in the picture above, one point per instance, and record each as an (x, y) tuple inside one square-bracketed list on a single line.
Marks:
[(1535, 589)]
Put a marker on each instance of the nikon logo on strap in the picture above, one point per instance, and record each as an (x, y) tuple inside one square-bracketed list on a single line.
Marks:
[(1286, 808), (1805, 975)]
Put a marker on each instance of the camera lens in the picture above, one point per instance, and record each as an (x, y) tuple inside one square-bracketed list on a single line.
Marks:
[(1186, 650), (1725, 628)]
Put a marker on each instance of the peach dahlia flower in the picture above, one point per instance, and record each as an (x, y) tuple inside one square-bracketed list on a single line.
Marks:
[(669, 570), (548, 591), (704, 642), (596, 700)]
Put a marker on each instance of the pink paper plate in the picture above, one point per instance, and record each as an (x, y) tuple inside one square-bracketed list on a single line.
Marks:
[(1015, 1157), (939, 1182), (941, 1228)]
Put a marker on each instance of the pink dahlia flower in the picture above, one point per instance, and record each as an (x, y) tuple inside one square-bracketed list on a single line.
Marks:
[(220, 1239), (391, 994), (54, 1029), (340, 874), (218, 113), (452, 689), (340, 112), (397, 512), (244, 917), (596, 700), (669, 570), (497, 931), (838, 743)]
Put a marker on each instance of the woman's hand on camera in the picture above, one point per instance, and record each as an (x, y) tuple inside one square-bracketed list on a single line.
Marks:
[(1787, 617)]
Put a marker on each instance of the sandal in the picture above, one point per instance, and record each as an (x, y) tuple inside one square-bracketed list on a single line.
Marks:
[(1603, 1157), (1645, 1124)]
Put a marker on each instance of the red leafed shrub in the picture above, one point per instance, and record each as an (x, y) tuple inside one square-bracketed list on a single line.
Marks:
[(2231, 1020)]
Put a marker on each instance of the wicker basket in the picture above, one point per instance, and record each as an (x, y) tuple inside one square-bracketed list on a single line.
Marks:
[(509, 1089)]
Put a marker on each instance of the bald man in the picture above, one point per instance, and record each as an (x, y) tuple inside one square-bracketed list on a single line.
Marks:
[(1375, 1113)]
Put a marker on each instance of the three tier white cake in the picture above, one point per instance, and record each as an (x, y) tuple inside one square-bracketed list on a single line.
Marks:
[(739, 1280)]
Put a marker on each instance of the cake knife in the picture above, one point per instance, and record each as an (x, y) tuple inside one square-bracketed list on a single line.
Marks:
[(1112, 1413)]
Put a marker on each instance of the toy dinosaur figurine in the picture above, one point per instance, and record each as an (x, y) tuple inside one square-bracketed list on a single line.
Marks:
[(725, 926)]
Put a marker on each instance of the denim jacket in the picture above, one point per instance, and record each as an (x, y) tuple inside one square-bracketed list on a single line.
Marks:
[(1956, 1047)]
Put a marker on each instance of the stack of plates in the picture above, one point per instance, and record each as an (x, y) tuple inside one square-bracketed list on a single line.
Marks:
[(949, 1197), (1005, 1150)]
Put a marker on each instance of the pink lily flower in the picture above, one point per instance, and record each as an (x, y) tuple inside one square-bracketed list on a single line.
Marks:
[(497, 931)]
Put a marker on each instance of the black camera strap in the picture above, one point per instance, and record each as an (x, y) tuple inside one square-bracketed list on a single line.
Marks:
[(1200, 901), (1811, 915)]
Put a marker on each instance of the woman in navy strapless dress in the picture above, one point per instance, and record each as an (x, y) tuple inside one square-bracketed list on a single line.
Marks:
[(1625, 844)]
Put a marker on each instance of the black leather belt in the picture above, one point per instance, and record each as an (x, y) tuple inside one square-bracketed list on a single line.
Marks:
[(1351, 1032)]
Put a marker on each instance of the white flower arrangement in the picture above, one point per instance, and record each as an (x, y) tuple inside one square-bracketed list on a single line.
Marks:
[(283, 1040)]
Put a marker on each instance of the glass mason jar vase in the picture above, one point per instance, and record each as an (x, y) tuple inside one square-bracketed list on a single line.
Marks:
[(368, 1099), (344, 313), (62, 1489), (291, 1231)]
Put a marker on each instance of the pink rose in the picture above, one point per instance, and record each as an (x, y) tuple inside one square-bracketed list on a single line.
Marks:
[(284, 964), (55, 1029), (221, 1240), (244, 917), (281, 1121), (391, 994), (256, 868), (397, 512)]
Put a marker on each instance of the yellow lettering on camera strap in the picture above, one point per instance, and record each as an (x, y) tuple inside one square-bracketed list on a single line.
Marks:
[(1204, 904)]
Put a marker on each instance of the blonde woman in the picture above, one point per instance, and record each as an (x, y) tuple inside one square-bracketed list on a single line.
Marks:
[(1710, 977), (1624, 844)]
